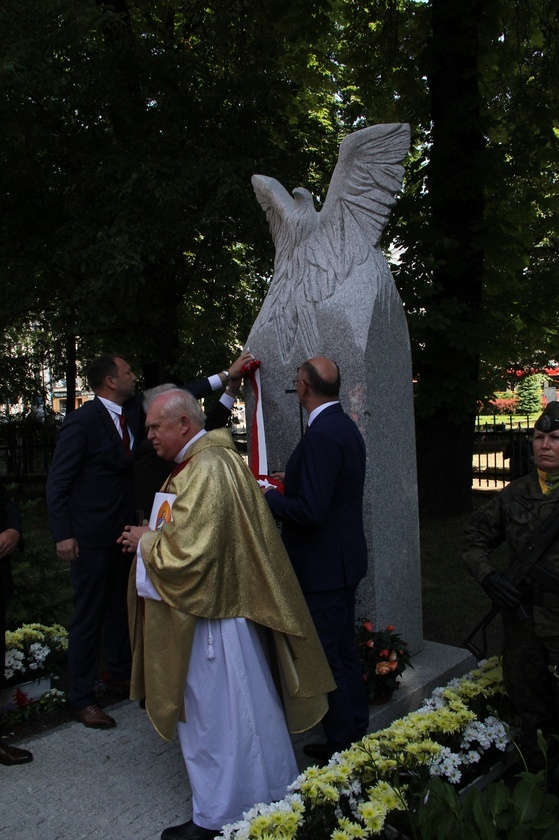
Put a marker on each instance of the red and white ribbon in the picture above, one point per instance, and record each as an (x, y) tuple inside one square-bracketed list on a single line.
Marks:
[(258, 461)]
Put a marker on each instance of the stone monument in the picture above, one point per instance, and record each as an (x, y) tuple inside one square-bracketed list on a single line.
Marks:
[(332, 294)]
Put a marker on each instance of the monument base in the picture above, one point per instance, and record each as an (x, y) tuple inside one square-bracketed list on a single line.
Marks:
[(434, 666)]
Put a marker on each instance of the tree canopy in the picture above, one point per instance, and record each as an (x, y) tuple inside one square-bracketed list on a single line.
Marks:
[(131, 131), (132, 134)]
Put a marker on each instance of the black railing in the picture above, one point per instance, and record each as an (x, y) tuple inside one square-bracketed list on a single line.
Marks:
[(26, 448), (502, 452), (26, 452)]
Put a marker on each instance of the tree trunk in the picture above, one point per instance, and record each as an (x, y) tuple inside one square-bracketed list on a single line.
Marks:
[(163, 326), (448, 364)]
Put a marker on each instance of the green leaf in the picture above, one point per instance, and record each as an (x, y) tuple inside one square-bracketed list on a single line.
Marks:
[(528, 800)]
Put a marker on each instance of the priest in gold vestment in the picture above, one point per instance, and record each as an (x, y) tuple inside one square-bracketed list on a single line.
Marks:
[(225, 650)]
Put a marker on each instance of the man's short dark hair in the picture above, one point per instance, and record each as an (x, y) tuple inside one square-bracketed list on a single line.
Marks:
[(100, 368), (321, 387)]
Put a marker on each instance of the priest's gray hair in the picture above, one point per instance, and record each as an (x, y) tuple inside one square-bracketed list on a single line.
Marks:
[(151, 393), (181, 402)]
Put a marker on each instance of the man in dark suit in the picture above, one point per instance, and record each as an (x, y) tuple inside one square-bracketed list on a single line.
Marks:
[(321, 513), (90, 499), (10, 538)]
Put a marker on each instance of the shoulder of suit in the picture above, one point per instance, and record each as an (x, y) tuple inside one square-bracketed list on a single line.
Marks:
[(334, 413), (82, 412), (335, 422)]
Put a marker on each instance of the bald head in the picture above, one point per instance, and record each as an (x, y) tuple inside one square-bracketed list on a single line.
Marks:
[(318, 382), (325, 375)]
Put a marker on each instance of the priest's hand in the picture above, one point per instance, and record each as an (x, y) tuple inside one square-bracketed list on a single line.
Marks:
[(130, 537)]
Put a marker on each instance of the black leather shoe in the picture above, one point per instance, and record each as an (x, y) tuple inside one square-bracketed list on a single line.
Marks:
[(13, 755), (188, 831), (322, 752)]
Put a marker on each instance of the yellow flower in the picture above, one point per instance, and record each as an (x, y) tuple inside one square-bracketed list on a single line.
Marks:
[(374, 816), (260, 823), (369, 771), (350, 829), (423, 751)]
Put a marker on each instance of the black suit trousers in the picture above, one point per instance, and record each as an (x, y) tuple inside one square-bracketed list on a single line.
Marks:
[(333, 613), (99, 578)]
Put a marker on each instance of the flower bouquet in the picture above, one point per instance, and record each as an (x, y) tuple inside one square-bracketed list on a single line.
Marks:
[(403, 781), (33, 651), (384, 657)]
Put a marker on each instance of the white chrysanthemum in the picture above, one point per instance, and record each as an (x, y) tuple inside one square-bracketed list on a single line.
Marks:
[(14, 663), (471, 757), (446, 764), (487, 733), (37, 655)]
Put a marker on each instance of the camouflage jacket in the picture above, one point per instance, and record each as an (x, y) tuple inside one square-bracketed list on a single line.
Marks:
[(511, 517)]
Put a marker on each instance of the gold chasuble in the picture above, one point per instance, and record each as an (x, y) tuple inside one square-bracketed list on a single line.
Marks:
[(221, 557)]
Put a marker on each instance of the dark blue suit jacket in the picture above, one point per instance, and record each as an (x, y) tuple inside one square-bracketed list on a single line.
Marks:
[(322, 509), (89, 485)]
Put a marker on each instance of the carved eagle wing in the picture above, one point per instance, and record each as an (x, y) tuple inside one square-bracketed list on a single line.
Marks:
[(316, 251)]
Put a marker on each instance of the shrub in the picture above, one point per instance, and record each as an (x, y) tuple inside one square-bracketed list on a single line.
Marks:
[(41, 591), (504, 405)]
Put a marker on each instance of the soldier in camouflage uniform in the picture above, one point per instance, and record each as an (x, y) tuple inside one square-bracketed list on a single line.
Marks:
[(530, 611)]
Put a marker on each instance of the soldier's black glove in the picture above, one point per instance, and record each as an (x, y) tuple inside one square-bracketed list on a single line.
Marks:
[(501, 591)]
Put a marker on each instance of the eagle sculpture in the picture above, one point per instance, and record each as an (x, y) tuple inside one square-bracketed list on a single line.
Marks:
[(332, 294), (319, 251)]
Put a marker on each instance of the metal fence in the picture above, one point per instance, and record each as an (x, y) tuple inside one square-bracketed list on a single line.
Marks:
[(502, 452), (26, 452)]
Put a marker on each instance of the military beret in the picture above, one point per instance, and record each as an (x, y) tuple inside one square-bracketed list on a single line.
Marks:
[(548, 421)]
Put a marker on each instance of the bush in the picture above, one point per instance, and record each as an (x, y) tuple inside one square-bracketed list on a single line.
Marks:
[(504, 404), (42, 591)]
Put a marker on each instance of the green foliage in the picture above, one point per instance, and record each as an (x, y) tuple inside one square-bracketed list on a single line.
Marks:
[(42, 591), (499, 812), (132, 134), (517, 95), (131, 131), (49, 702), (530, 393)]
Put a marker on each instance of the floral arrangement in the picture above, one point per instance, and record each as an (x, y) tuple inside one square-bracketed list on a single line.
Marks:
[(375, 785), (33, 651), (384, 657), (22, 708)]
